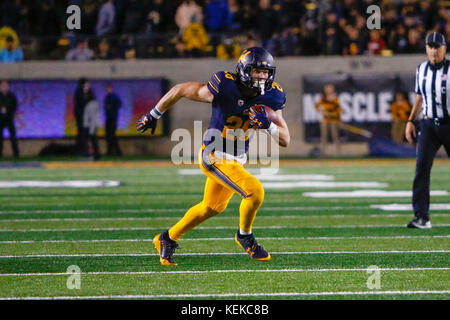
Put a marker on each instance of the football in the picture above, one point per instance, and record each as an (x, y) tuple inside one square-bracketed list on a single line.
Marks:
[(271, 114)]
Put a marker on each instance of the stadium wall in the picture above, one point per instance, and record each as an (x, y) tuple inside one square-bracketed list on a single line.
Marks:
[(289, 75)]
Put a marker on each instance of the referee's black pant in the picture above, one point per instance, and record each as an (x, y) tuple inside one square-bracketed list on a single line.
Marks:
[(431, 137), (12, 137)]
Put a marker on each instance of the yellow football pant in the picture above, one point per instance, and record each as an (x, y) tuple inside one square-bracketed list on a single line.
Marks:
[(223, 180)]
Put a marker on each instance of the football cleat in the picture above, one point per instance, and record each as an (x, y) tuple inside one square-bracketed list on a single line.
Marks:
[(165, 249), (419, 223), (252, 247)]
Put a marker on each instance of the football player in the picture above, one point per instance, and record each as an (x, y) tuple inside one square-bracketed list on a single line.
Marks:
[(232, 96)]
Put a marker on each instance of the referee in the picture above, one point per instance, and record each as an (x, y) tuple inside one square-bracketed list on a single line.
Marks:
[(432, 99)]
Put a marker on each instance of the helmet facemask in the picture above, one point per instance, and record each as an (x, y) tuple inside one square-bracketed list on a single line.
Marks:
[(259, 58), (259, 85)]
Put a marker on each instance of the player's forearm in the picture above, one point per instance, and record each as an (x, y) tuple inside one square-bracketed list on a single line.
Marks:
[(281, 132), (417, 107), (170, 98), (284, 137), (191, 90)]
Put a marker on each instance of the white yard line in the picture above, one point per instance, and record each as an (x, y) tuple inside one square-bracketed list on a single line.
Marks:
[(362, 226), (369, 194), (262, 217), (324, 184), (408, 207), (3, 212), (218, 271), (300, 208), (128, 228), (216, 254), (294, 177), (58, 184), (225, 239), (225, 295)]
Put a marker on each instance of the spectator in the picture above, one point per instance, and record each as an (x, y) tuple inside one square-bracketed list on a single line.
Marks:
[(410, 20), (308, 44), (399, 39), (106, 16), (91, 121), (355, 43), (323, 26), (159, 22), (130, 54), (400, 110), (389, 21), (441, 19), (331, 43), (81, 96), (273, 44), (217, 13), (81, 52), (188, 12), (89, 14), (196, 40), (331, 20), (376, 43), (426, 14), (228, 50), (112, 105), (160, 17), (8, 107), (127, 43), (288, 42), (447, 33), (134, 15), (245, 18), (251, 41), (49, 26), (233, 24), (103, 51), (292, 12), (9, 54), (415, 44), (329, 107), (267, 21), (180, 48)]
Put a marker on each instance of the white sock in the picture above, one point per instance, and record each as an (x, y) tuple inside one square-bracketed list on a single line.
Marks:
[(244, 233)]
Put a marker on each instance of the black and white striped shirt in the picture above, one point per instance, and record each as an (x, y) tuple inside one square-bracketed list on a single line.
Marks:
[(433, 85)]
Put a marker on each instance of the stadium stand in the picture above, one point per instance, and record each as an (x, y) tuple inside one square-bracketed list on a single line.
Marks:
[(144, 29)]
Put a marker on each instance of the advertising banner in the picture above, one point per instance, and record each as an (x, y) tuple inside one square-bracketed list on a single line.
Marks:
[(46, 107), (365, 101)]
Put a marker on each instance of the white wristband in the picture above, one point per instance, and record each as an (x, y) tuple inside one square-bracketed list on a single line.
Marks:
[(273, 129), (155, 113)]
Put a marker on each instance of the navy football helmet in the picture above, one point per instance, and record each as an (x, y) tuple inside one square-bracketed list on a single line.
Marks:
[(255, 57)]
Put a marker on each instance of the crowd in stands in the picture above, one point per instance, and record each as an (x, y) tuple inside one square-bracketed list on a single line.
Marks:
[(136, 29)]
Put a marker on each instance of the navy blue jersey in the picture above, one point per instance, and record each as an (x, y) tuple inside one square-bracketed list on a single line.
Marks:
[(230, 110)]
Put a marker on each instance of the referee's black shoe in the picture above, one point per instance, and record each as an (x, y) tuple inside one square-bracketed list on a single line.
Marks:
[(419, 223)]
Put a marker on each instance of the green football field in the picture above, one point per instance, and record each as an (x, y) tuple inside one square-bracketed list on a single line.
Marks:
[(328, 247)]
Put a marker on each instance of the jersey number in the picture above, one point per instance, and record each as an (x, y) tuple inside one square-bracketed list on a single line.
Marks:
[(277, 86), (229, 76), (234, 123)]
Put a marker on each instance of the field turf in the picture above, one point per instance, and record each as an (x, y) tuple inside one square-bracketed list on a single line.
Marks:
[(321, 247)]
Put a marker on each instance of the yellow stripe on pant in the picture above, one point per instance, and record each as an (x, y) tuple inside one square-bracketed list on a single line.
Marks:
[(224, 178)]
